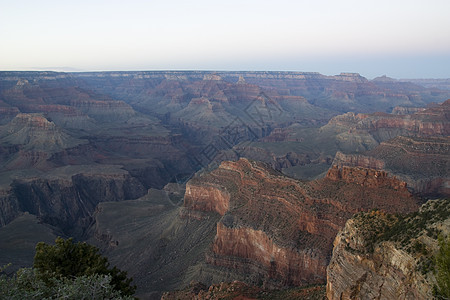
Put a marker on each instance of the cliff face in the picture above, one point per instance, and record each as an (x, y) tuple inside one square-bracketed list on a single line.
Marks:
[(366, 177), (378, 256), (64, 99), (433, 121), (402, 110), (357, 160), (413, 147), (421, 162), (67, 197), (280, 228), (9, 206), (290, 267), (206, 198), (361, 140), (89, 121)]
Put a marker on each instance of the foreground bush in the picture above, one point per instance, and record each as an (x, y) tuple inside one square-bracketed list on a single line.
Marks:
[(27, 284), (67, 259)]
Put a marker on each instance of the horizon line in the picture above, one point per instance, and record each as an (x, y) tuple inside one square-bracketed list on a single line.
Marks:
[(75, 71)]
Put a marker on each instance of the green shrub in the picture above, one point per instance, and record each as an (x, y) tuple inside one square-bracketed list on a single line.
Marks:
[(27, 284), (67, 259), (442, 269)]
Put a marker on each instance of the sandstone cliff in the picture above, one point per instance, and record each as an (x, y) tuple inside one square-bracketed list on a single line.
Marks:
[(379, 256), (282, 229), (421, 162), (366, 177), (403, 110), (433, 121), (394, 143)]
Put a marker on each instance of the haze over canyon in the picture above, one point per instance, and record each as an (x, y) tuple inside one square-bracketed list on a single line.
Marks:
[(210, 184)]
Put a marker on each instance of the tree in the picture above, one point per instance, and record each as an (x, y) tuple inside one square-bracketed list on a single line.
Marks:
[(27, 284), (442, 262), (67, 259)]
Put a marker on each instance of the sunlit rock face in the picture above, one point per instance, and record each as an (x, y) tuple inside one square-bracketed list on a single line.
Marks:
[(281, 228)]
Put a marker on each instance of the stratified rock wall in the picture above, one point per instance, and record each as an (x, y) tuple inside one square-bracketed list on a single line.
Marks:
[(369, 264), (9, 206), (366, 177), (206, 198), (279, 229), (421, 162), (69, 202), (289, 266)]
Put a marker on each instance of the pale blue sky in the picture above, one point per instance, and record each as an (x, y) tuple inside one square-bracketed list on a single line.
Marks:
[(402, 39)]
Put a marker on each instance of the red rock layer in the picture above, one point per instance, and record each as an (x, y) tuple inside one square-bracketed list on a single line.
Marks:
[(421, 162), (282, 229), (433, 121), (366, 177), (290, 266), (357, 160), (206, 198)]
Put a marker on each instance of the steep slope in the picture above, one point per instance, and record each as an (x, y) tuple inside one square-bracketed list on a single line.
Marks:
[(160, 247), (242, 221), (280, 228), (29, 140), (57, 123), (412, 147), (66, 197), (346, 91), (35, 132), (421, 162), (379, 256), (434, 121), (70, 142), (19, 239), (240, 290), (261, 101)]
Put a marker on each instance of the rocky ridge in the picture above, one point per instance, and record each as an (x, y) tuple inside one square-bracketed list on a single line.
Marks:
[(280, 228), (420, 162), (308, 152), (379, 256)]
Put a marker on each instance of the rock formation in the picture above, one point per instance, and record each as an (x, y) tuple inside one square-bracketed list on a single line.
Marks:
[(434, 121), (420, 162), (67, 196), (34, 132), (366, 177), (280, 228), (72, 142), (379, 256)]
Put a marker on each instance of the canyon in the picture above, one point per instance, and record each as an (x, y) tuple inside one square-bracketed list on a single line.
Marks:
[(181, 176), (241, 221)]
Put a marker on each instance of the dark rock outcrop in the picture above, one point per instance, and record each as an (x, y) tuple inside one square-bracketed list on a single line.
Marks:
[(67, 200)]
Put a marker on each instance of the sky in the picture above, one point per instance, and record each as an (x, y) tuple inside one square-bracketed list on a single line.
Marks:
[(397, 38)]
